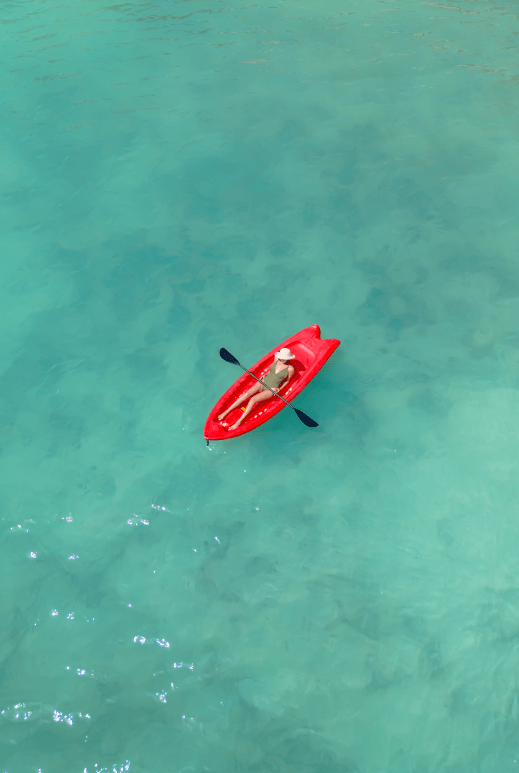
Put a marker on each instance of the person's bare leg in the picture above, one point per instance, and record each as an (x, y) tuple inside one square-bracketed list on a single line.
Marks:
[(240, 400), (252, 402)]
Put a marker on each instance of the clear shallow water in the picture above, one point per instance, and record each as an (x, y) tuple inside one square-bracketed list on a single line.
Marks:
[(182, 176)]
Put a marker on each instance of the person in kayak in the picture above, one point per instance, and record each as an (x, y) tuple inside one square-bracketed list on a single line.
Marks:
[(278, 377)]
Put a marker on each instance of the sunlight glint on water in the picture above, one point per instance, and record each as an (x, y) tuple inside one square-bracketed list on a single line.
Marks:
[(181, 176)]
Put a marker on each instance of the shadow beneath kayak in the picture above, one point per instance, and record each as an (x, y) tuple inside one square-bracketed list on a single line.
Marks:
[(284, 436), (338, 408), (335, 399)]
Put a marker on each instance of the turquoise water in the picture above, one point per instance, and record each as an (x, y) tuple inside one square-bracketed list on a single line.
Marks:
[(181, 176)]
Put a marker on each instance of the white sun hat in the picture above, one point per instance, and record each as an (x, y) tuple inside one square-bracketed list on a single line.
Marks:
[(284, 354)]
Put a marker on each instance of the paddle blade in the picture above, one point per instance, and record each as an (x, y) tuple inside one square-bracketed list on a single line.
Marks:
[(306, 419), (227, 356)]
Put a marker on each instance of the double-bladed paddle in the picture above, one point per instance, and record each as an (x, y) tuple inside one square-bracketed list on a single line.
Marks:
[(228, 357)]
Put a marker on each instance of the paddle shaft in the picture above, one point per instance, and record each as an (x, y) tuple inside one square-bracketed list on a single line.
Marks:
[(228, 357), (266, 387)]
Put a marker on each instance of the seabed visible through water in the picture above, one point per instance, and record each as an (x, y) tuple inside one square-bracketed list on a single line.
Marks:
[(181, 176)]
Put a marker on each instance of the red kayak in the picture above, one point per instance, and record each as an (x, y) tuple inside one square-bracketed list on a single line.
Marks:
[(310, 355)]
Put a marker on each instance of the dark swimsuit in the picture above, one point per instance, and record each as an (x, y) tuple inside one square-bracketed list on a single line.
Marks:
[(273, 379)]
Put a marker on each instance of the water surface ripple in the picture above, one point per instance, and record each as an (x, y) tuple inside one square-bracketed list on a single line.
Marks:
[(180, 176)]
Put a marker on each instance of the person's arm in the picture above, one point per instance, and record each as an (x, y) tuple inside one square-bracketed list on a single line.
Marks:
[(289, 376)]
